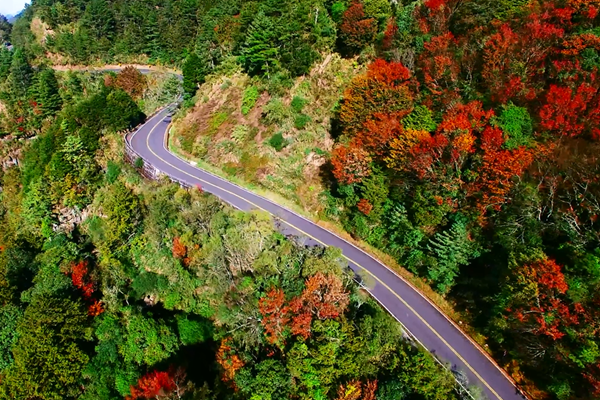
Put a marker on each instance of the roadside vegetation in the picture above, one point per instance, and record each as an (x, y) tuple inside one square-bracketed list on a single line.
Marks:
[(458, 138)]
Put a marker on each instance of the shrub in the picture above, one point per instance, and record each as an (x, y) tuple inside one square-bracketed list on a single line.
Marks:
[(240, 134), (277, 141), (113, 171), (138, 163), (275, 112), (298, 104), (249, 99), (301, 121)]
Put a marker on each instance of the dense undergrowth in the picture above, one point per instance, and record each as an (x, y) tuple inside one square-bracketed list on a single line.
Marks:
[(458, 136)]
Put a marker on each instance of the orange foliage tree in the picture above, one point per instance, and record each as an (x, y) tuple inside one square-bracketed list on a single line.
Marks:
[(357, 390), (228, 360), (350, 163), (274, 315), (131, 81)]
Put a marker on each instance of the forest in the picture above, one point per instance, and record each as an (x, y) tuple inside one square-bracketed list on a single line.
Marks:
[(459, 137)]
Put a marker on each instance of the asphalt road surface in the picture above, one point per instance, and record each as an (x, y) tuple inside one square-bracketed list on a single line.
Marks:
[(419, 317)]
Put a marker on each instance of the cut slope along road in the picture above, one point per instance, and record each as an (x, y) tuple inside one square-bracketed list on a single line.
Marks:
[(419, 317)]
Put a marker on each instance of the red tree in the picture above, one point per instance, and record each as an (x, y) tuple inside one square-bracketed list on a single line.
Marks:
[(153, 385), (80, 279), (572, 113)]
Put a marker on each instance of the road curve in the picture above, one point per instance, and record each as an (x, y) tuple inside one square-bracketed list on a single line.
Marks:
[(431, 328)]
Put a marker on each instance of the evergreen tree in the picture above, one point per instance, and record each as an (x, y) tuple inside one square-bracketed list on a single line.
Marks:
[(5, 29), (21, 74), (99, 19), (260, 52), (193, 74), (152, 36), (48, 356), (452, 249), (5, 61), (47, 93)]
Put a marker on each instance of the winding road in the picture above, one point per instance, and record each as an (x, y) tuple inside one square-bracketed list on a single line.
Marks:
[(420, 318)]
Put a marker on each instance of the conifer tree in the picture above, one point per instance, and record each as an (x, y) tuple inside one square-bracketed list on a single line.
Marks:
[(193, 74), (260, 52), (47, 93)]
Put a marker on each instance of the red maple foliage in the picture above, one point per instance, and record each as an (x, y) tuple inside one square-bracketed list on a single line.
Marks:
[(79, 274), (153, 385), (392, 74), (548, 314), (179, 249), (301, 322), (384, 89), (80, 279), (497, 175), (389, 35), (378, 131), (572, 113), (438, 64)]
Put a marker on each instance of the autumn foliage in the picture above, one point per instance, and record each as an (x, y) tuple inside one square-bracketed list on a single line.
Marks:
[(131, 81), (323, 297), (228, 360), (356, 390), (356, 29), (155, 385), (81, 280)]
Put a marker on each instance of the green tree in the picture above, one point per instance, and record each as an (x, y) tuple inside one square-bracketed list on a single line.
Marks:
[(5, 29), (193, 74), (9, 318), (122, 213), (452, 248), (48, 355), (47, 93), (516, 124), (260, 53), (99, 19), (21, 74)]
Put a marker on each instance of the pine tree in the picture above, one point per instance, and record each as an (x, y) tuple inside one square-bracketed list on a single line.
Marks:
[(99, 19), (47, 93), (5, 61), (21, 74), (193, 74), (5, 29), (260, 52), (452, 248)]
